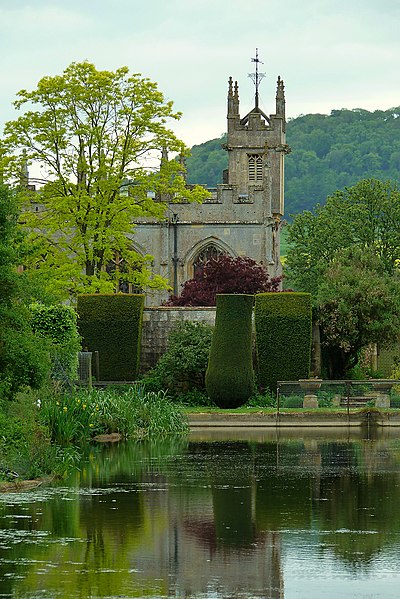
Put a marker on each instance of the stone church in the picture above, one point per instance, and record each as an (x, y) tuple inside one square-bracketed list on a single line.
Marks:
[(242, 216)]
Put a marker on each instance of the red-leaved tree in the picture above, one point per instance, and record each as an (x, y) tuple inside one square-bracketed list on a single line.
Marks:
[(224, 274)]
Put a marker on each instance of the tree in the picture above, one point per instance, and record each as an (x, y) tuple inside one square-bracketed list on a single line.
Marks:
[(346, 255), (97, 137), (22, 359), (366, 215), (358, 304), (224, 274), (230, 376)]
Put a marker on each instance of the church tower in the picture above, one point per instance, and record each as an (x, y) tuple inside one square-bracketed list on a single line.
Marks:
[(243, 215), (257, 145)]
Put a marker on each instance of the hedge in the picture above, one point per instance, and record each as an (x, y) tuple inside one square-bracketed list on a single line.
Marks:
[(283, 323), (112, 325), (57, 326), (229, 376)]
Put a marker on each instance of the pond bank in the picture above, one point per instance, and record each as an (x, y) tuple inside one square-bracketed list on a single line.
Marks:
[(314, 418)]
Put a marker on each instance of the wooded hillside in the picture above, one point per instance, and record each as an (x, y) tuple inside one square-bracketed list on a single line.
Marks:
[(329, 152)]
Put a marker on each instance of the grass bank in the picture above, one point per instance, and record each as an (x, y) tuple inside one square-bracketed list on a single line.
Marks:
[(43, 432)]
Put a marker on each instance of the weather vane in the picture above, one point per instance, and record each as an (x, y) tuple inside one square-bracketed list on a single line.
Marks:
[(256, 77)]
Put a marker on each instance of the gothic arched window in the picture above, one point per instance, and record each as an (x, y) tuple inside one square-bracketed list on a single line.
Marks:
[(255, 168), (210, 251), (118, 264)]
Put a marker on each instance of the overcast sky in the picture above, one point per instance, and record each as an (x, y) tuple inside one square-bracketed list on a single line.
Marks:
[(331, 53)]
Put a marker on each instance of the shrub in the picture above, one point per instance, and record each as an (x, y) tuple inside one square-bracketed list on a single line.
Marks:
[(183, 366), (195, 398), (229, 376), (112, 325), (292, 401), (325, 398), (57, 325), (23, 362), (283, 324), (395, 401), (224, 274), (265, 400)]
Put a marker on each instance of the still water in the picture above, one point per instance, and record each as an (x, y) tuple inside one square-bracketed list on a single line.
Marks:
[(251, 514)]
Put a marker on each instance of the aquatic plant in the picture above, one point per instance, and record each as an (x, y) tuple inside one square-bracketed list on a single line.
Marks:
[(77, 417), (26, 450)]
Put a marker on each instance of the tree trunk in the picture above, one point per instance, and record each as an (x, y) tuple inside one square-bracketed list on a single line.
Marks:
[(339, 362)]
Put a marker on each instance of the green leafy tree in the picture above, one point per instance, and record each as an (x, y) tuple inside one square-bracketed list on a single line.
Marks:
[(57, 326), (22, 359), (97, 137), (346, 255), (366, 215), (207, 162), (358, 304)]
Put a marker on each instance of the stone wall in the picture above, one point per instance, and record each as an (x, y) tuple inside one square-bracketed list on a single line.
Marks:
[(157, 324)]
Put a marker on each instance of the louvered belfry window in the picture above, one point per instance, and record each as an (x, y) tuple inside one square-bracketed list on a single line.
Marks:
[(255, 168)]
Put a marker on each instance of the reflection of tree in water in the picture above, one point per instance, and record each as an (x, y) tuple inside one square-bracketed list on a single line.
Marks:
[(242, 556), (352, 494), (360, 500), (114, 520), (231, 478), (233, 516), (190, 514), (283, 494)]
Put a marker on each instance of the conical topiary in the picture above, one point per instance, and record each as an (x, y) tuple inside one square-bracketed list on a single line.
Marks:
[(229, 376)]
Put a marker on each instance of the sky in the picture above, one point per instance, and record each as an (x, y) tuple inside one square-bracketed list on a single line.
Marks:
[(331, 54)]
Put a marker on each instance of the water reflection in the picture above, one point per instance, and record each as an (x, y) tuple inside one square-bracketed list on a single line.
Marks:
[(233, 514)]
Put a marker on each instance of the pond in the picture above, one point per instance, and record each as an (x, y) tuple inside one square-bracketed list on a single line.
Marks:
[(229, 513)]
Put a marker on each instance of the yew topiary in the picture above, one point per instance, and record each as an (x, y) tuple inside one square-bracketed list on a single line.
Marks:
[(283, 324), (112, 325), (229, 376)]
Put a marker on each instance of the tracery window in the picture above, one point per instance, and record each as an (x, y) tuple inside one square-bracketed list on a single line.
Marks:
[(255, 165), (118, 264), (210, 251)]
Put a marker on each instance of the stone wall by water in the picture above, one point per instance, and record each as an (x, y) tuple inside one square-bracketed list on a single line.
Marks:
[(157, 324)]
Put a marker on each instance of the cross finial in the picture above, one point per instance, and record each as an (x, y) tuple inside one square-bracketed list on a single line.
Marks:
[(256, 77)]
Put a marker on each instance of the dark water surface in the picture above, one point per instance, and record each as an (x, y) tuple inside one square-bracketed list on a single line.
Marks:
[(303, 514)]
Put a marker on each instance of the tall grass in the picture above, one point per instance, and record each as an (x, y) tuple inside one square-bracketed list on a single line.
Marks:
[(79, 416)]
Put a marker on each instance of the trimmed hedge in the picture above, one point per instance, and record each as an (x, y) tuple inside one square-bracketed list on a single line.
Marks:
[(112, 325), (57, 325), (283, 324), (229, 376)]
